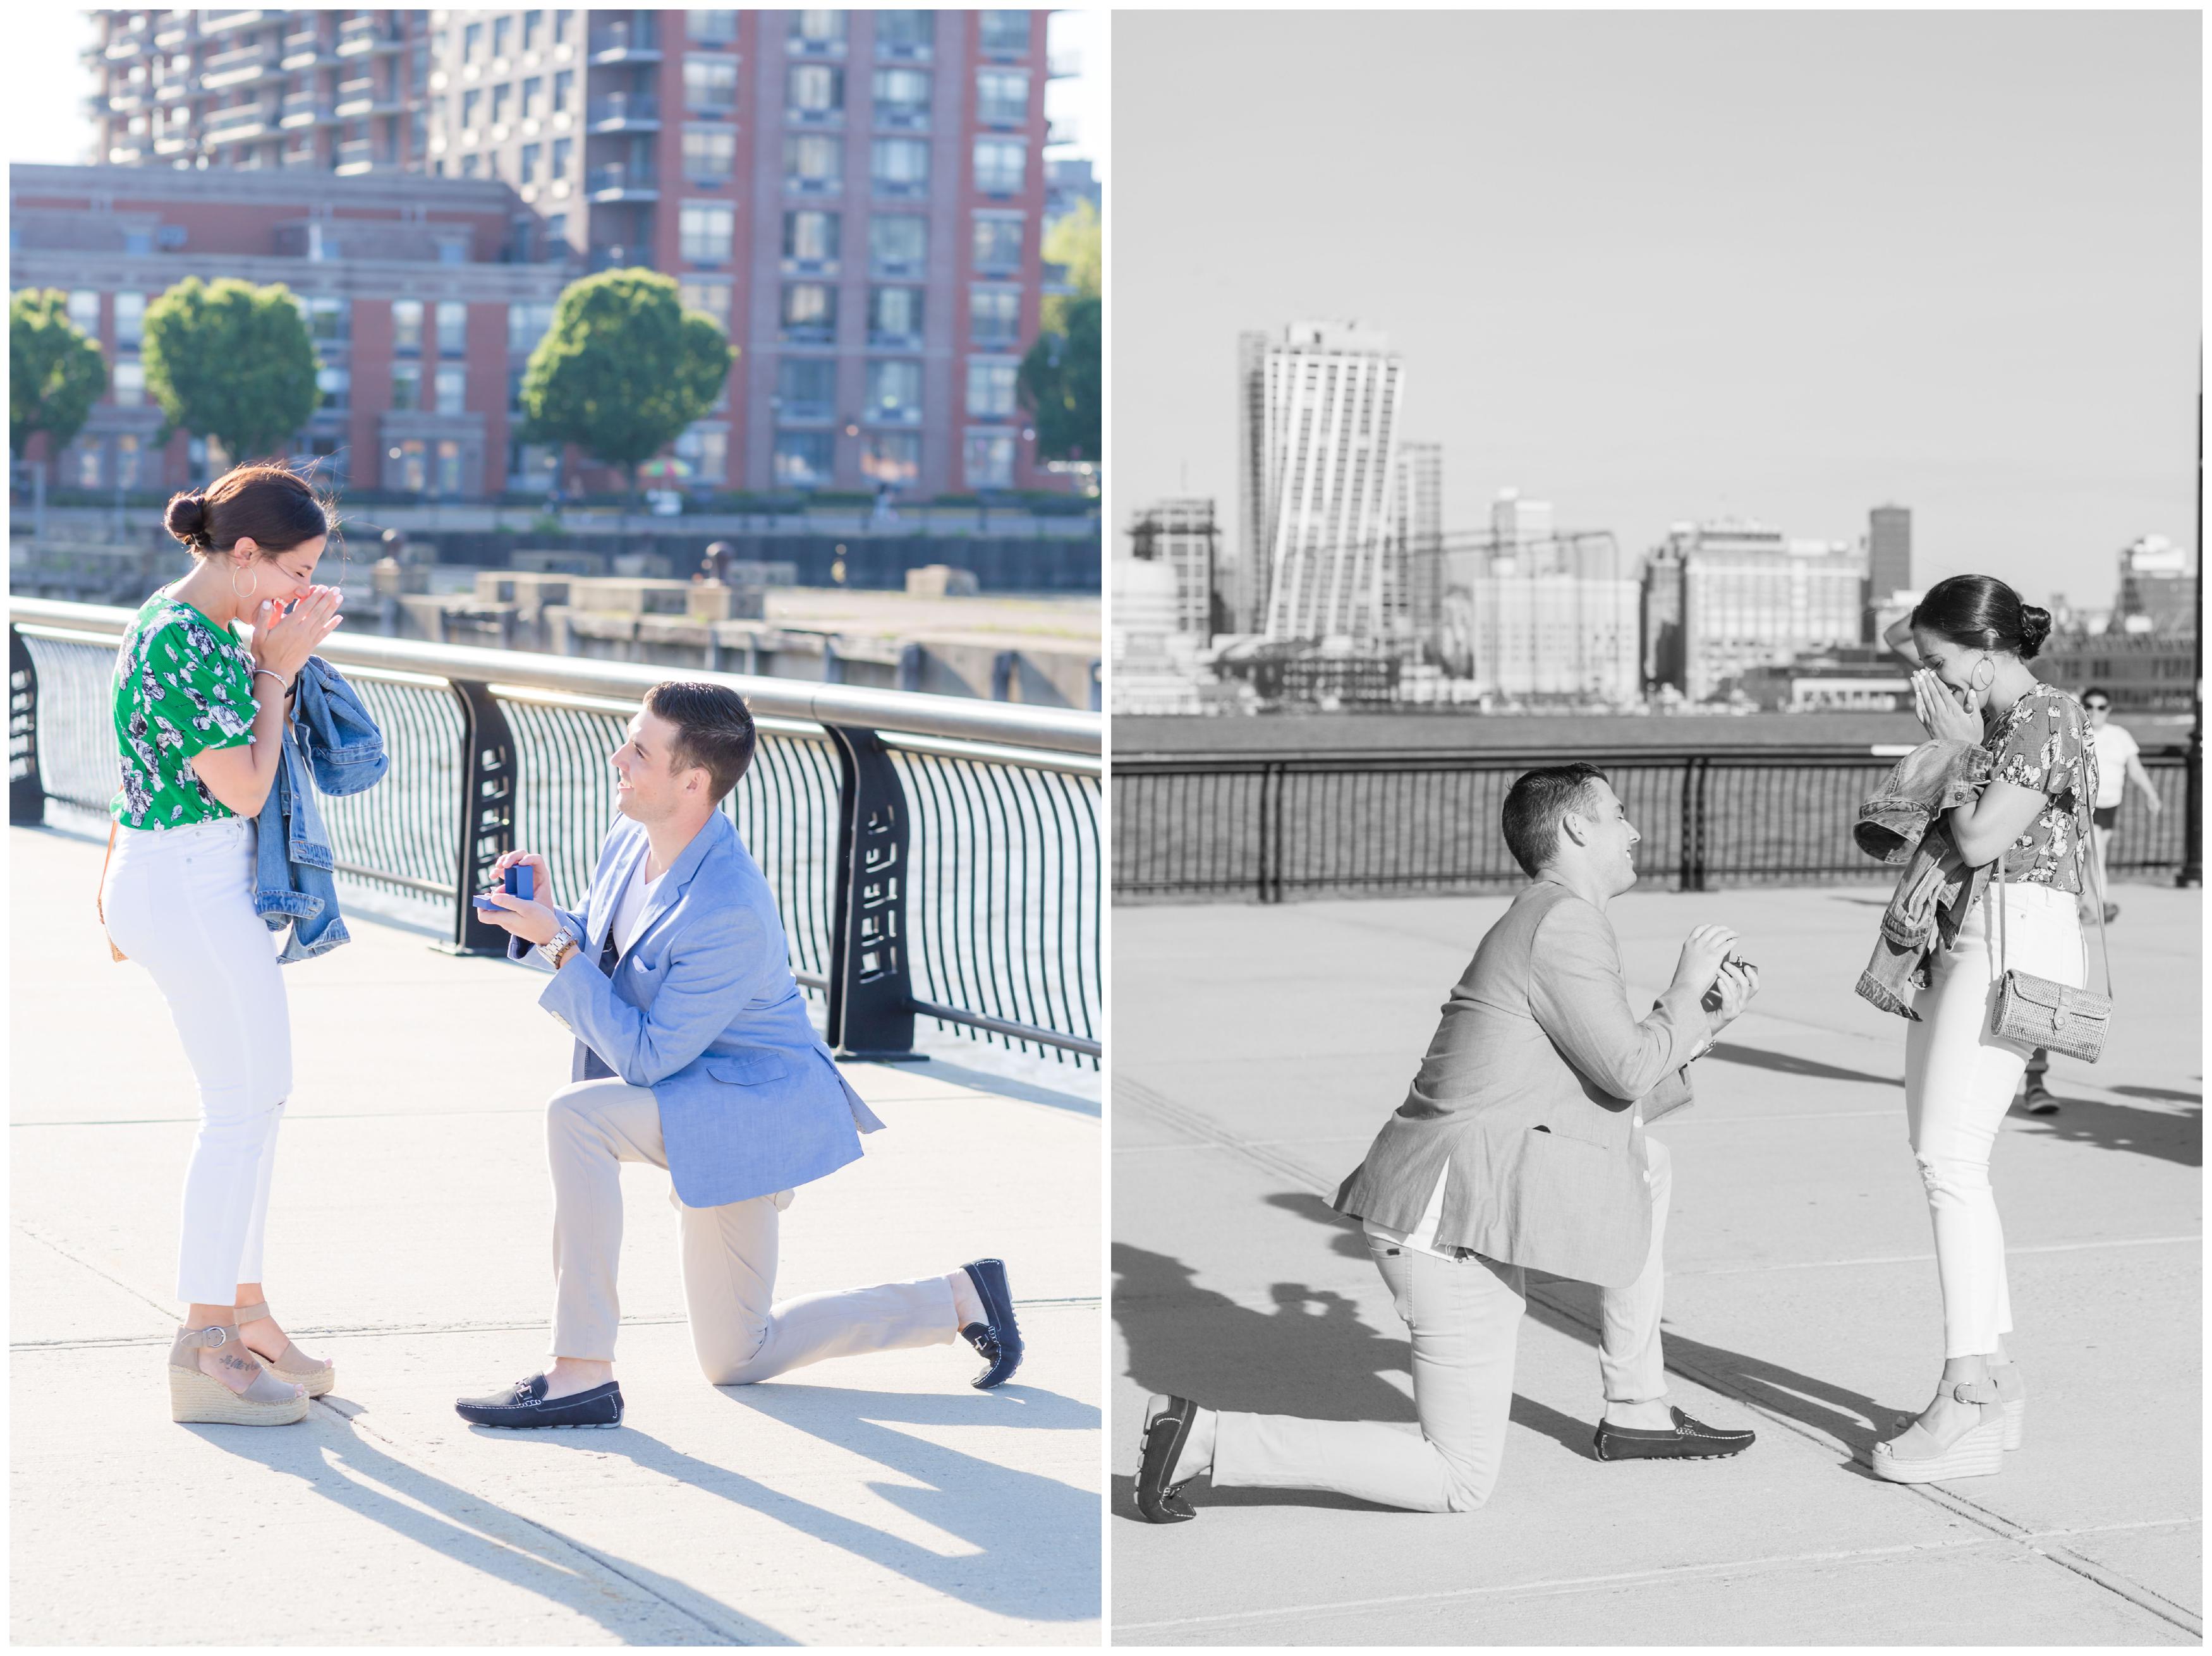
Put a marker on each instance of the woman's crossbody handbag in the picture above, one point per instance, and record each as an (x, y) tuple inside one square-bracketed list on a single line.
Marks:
[(2041, 1012)]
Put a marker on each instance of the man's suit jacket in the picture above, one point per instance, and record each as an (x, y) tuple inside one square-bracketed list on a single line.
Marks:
[(703, 1011), (1528, 1093)]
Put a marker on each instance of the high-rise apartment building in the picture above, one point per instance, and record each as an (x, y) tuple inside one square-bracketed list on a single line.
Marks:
[(1747, 596), (1181, 535), (858, 196), (1418, 538), (1317, 409), (1889, 562)]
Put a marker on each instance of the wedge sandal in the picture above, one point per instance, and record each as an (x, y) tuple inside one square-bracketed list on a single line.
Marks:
[(1917, 1456), (198, 1398), (291, 1364)]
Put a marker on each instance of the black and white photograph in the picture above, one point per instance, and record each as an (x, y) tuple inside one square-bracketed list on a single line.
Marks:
[(1656, 738)]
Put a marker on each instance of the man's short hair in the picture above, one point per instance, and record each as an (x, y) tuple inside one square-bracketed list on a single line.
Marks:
[(713, 729), (1534, 804)]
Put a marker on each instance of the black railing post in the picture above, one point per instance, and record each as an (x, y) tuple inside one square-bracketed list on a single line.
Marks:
[(1693, 821), (487, 826), (26, 793), (1686, 840), (870, 994)]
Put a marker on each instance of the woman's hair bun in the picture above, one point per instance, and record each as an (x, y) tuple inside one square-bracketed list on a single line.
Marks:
[(186, 519), (2035, 628)]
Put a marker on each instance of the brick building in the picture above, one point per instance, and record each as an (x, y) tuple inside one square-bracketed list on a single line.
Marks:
[(858, 196)]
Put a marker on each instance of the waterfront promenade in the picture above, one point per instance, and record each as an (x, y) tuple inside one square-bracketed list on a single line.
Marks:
[(1256, 1051), (867, 1500)]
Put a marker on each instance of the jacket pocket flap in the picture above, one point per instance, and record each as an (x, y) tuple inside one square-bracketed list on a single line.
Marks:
[(748, 1069)]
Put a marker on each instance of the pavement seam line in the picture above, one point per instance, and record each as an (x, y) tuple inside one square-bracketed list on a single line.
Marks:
[(1151, 1102)]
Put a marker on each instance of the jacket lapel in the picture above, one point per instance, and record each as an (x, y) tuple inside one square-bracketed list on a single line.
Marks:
[(679, 873)]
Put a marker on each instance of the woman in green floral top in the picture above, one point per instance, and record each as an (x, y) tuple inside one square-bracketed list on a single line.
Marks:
[(199, 720), (1972, 639)]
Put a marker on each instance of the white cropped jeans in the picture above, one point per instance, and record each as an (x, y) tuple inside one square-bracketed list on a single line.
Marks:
[(179, 902), (1959, 1080)]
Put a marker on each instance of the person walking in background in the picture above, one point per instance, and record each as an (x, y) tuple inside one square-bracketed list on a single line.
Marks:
[(1520, 1146), (1972, 639), (694, 1053), (199, 721)]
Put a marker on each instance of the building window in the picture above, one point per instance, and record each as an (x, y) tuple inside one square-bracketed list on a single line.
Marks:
[(130, 321), (817, 28), (84, 311), (407, 324), (998, 166), (903, 31), (87, 468), (991, 390), (471, 106), (895, 313), (336, 386), (705, 230), (815, 88), (449, 467), (891, 457), (502, 35), (894, 391), (810, 233), (1002, 96), (902, 96), (127, 382), (804, 459), (556, 225), (899, 166), (130, 455), (406, 387), (994, 315), (810, 311), (560, 28), (533, 24), (998, 243), (562, 148), (528, 322), (987, 459), (453, 327), (710, 152), (897, 241), (710, 84), (325, 315), (499, 101), (717, 29), (535, 467), (805, 387), (453, 387), (1003, 31), (533, 97), (530, 152), (711, 297), (564, 82), (813, 160), (471, 42), (706, 449)]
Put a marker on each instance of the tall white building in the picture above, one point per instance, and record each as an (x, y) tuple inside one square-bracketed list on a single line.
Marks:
[(1752, 597), (1317, 445), (1417, 539)]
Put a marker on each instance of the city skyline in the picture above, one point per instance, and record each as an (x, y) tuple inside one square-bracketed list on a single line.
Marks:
[(1677, 324)]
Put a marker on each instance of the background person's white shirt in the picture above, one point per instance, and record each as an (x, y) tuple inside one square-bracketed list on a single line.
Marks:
[(2115, 747)]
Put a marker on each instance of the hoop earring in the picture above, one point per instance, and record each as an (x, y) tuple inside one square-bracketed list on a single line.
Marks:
[(249, 590), (1979, 683)]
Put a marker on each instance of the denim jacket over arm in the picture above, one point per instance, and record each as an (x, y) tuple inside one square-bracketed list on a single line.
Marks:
[(1903, 823), (331, 745)]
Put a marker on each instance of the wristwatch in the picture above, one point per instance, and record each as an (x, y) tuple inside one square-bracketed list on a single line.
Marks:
[(558, 947)]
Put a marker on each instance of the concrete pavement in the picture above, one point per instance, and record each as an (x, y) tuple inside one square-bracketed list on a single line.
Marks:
[(870, 1500), (1258, 1049)]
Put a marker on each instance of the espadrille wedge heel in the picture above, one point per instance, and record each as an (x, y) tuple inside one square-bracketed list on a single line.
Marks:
[(198, 1398), (291, 1364), (1915, 1455), (2012, 1393)]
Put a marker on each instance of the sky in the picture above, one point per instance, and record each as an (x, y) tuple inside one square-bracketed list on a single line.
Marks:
[(1654, 267)]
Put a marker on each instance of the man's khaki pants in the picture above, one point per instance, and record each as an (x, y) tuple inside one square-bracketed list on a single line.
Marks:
[(740, 1332), (1465, 1318)]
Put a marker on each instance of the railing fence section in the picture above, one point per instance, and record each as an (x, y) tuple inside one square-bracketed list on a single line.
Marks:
[(930, 857)]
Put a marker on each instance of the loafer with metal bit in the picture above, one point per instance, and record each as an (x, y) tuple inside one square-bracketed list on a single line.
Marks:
[(523, 1404), (1688, 1440), (999, 1338)]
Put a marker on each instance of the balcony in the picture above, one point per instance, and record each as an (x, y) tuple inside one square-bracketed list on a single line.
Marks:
[(180, 143), (623, 43), (175, 34), (125, 155), (304, 109), (618, 182), (301, 158), (240, 123), (243, 67), (366, 155), (127, 102), (624, 111), (220, 22), (305, 50), (361, 97), (124, 43), (364, 36), (170, 91)]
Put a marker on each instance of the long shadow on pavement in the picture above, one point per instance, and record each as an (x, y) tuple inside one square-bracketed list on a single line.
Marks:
[(334, 1458), (2169, 1135), (1787, 1063)]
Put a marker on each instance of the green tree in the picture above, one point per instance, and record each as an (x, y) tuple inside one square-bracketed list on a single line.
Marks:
[(55, 375), (1076, 242), (623, 369), (1061, 384), (233, 361)]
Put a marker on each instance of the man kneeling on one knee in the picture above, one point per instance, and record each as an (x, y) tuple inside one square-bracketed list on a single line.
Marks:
[(694, 1053)]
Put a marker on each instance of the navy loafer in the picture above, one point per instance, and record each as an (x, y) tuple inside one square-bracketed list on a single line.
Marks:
[(999, 1338), (523, 1404), (1689, 1439)]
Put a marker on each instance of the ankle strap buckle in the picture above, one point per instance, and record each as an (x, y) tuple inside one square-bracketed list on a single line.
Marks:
[(221, 1337)]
